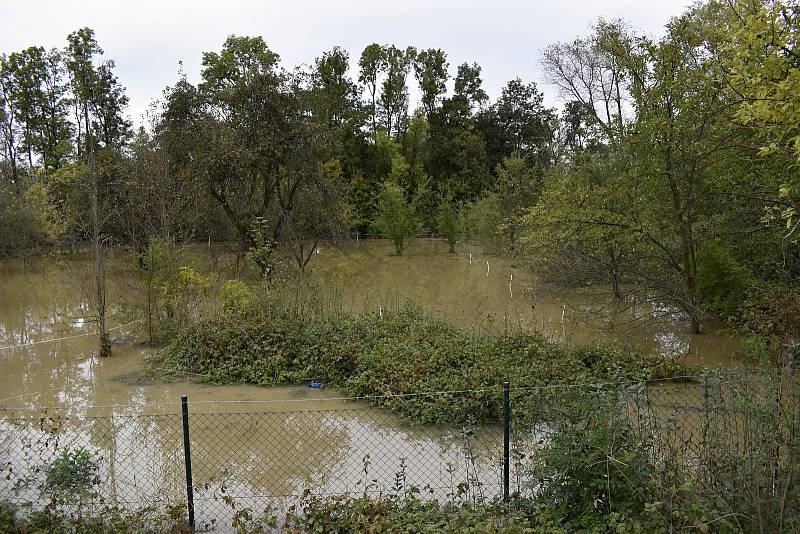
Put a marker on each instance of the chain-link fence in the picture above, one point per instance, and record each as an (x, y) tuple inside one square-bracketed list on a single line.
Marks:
[(264, 459)]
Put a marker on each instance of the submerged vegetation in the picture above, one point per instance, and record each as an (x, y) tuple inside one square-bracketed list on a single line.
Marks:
[(406, 351)]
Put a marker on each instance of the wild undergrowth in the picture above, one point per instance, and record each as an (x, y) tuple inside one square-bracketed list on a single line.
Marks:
[(401, 351)]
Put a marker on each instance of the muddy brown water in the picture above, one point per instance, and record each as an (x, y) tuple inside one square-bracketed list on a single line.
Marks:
[(252, 443)]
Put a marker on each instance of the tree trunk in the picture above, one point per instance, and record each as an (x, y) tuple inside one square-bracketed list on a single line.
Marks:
[(99, 264)]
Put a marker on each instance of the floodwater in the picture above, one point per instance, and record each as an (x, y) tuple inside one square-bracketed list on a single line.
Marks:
[(253, 443)]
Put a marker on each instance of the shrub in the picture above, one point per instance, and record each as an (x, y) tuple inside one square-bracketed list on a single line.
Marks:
[(721, 280), (399, 353), (71, 476), (593, 463), (396, 219)]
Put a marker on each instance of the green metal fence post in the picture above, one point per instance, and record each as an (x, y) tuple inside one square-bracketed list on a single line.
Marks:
[(506, 434), (187, 458)]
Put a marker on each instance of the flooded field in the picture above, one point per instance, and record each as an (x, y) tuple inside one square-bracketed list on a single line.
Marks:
[(254, 443)]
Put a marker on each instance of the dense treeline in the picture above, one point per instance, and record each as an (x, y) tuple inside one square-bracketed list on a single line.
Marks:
[(669, 178), (259, 153)]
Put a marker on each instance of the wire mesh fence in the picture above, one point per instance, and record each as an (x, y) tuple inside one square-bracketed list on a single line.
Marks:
[(269, 460)]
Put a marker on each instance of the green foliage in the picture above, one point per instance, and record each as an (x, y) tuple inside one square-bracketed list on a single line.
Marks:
[(404, 352), (762, 57), (771, 315), (430, 68), (484, 220), (262, 249), (237, 297), (398, 513), (593, 464), (721, 281), (18, 223), (101, 520), (57, 202), (518, 185), (71, 476), (607, 465), (450, 221), (172, 290), (396, 217)]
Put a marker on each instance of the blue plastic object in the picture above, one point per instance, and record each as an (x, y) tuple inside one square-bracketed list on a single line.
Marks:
[(316, 384)]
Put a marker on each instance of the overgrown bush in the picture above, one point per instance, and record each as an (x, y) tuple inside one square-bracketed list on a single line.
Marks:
[(71, 476), (721, 280), (409, 513), (771, 313), (17, 221), (398, 353), (593, 463), (101, 520), (171, 289)]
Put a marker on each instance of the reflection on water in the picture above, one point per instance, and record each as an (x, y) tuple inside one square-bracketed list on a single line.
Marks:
[(249, 442), (259, 458), (460, 287)]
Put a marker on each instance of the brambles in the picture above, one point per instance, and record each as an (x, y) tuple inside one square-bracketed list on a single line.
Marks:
[(400, 352)]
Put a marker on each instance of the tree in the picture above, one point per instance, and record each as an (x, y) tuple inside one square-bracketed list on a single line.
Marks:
[(449, 221), (16, 221), (101, 101), (335, 96), (457, 151), (396, 217), (336, 100), (652, 203), (40, 105), (579, 129), (469, 85), (483, 220), (594, 72), (581, 230), (430, 69), (255, 145), (394, 90), (517, 187), (371, 64), (321, 213), (9, 122), (519, 122), (763, 58)]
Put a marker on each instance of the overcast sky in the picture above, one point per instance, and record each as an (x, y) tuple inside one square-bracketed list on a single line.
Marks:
[(147, 38)]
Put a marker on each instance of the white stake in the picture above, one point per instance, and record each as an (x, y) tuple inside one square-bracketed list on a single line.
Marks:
[(487, 268), (510, 292), (470, 258)]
